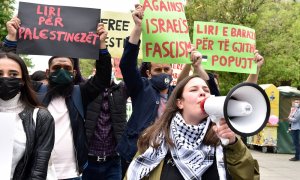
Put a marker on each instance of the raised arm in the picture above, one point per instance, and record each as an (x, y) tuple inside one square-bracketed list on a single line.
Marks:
[(128, 63), (10, 42), (253, 78), (137, 16), (196, 60), (91, 89)]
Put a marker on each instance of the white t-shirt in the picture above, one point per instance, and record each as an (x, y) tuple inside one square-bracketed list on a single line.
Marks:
[(63, 154)]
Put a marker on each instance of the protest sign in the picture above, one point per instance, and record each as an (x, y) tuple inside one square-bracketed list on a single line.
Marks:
[(7, 130), (165, 32), (119, 26), (177, 68), (58, 31), (116, 69), (225, 47)]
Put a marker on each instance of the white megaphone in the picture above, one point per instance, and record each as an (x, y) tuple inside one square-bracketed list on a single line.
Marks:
[(246, 109)]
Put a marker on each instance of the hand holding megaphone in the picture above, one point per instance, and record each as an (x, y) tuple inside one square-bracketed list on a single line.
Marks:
[(226, 135)]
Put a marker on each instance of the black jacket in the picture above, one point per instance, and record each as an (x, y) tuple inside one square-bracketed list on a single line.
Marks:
[(39, 144), (117, 106), (89, 91)]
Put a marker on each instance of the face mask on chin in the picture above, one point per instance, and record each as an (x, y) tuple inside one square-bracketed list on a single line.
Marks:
[(61, 77), (161, 81), (10, 87)]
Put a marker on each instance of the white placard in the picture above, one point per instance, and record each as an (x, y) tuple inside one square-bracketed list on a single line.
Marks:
[(7, 129)]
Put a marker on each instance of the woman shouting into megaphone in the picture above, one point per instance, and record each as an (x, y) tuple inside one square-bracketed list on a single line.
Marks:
[(185, 144)]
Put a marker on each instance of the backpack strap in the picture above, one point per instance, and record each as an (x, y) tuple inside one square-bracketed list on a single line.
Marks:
[(77, 99)]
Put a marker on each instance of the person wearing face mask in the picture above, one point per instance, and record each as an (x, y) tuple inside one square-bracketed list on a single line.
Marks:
[(67, 103), (149, 92), (33, 137), (105, 123), (185, 144), (294, 119)]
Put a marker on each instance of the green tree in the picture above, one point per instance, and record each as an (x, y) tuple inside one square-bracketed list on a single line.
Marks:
[(6, 12), (86, 67), (239, 12), (277, 28), (278, 38), (27, 61)]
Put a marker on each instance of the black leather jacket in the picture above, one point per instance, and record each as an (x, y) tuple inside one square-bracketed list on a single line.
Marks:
[(39, 144), (89, 91)]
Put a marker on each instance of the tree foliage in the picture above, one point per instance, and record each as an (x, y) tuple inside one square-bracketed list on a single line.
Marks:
[(277, 29), (27, 61), (6, 12), (278, 38), (86, 67)]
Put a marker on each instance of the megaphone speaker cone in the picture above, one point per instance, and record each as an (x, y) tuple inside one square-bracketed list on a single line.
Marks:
[(252, 101)]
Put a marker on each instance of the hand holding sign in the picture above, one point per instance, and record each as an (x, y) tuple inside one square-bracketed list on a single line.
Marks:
[(12, 26), (258, 59), (196, 57), (102, 35)]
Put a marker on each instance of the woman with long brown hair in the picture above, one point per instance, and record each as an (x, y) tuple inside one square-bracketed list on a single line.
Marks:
[(184, 143)]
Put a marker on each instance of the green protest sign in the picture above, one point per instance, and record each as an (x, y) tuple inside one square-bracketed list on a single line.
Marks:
[(225, 47), (165, 32)]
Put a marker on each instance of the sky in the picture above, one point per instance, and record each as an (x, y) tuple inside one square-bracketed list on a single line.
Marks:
[(40, 62)]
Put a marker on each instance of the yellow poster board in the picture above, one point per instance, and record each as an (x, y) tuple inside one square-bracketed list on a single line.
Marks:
[(119, 26), (273, 95)]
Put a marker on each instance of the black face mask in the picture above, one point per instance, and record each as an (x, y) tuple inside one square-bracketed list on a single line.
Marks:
[(9, 87), (161, 81), (61, 77)]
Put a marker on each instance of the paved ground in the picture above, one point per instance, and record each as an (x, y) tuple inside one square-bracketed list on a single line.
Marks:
[(277, 166)]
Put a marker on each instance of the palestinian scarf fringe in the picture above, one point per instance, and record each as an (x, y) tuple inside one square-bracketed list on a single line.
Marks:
[(191, 157)]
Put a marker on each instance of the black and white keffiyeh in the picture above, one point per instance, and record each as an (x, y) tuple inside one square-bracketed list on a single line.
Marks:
[(191, 157)]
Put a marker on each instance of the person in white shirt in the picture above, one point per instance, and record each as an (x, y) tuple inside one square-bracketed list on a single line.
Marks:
[(33, 136)]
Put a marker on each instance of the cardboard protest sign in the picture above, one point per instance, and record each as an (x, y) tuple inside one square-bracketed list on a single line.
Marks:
[(225, 47), (58, 31), (165, 32), (119, 26), (177, 68), (7, 132), (116, 69)]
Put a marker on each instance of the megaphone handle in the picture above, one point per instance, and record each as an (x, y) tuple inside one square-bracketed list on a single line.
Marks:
[(224, 141)]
